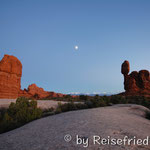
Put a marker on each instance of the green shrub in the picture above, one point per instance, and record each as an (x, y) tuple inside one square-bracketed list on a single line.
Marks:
[(83, 97), (3, 110), (81, 106), (19, 113), (106, 99), (148, 115), (89, 104), (48, 112), (24, 110), (116, 99), (69, 107)]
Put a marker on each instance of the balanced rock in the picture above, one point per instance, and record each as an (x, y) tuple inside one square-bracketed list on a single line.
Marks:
[(135, 83), (125, 68)]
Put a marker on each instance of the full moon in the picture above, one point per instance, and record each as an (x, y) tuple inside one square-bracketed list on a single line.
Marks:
[(76, 47)]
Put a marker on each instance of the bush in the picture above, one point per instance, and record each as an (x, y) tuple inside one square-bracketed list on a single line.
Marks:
[(116, 99), (19, 113), (89, 104), (3, 110), (148, 115), (24, 110), (69, 107), (66, 107), (48, 112), (83, 97)]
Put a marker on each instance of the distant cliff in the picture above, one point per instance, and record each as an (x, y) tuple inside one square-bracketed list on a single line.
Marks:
[(10, 81), (135, 83)]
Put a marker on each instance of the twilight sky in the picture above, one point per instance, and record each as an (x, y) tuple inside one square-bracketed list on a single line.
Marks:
[(43, 33)]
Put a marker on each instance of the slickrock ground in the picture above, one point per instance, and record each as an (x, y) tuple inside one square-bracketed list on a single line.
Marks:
[(48, 133)]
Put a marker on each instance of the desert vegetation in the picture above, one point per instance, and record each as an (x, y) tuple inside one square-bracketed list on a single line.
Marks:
[(25, 110), (18, 114), (148, 115), (96, 101)]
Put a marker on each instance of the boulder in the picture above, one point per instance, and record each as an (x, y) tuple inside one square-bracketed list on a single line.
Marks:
[(125, 68)]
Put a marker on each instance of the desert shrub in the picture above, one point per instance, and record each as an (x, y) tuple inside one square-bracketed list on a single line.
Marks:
[(48, 112), (99, 103), (96, 101), (81, 106), (148, 115), (19, 113), (133, 100), (107, 100), (3, 110), (68, 96), (89, 104), (83, 97), (69, 107), (116, 99), (58, 109), (102, 103), (140, 100)]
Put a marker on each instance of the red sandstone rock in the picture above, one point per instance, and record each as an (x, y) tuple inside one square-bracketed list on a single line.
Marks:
[(10, 77), (36, 91), (10, 81), (53, 94), (24, 93), (125, 68), (135, 83)]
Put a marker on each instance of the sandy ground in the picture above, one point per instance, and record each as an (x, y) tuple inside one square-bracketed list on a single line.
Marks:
[(48, 133), (44, 104)]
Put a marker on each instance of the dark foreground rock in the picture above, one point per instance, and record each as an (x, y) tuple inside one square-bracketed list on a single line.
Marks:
[(48, 133)]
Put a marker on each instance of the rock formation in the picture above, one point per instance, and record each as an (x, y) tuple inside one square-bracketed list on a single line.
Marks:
[(10, 77), (10, 82), (135, 83), (36, 92)]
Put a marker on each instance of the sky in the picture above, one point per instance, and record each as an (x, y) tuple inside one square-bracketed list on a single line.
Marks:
[(42, 34)]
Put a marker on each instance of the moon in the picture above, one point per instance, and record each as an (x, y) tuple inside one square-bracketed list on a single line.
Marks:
[(76, 47)]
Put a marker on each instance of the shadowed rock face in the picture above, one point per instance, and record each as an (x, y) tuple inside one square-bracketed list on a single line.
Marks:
[(10, 81), (10, 77), (48, 133), (135, 83)]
